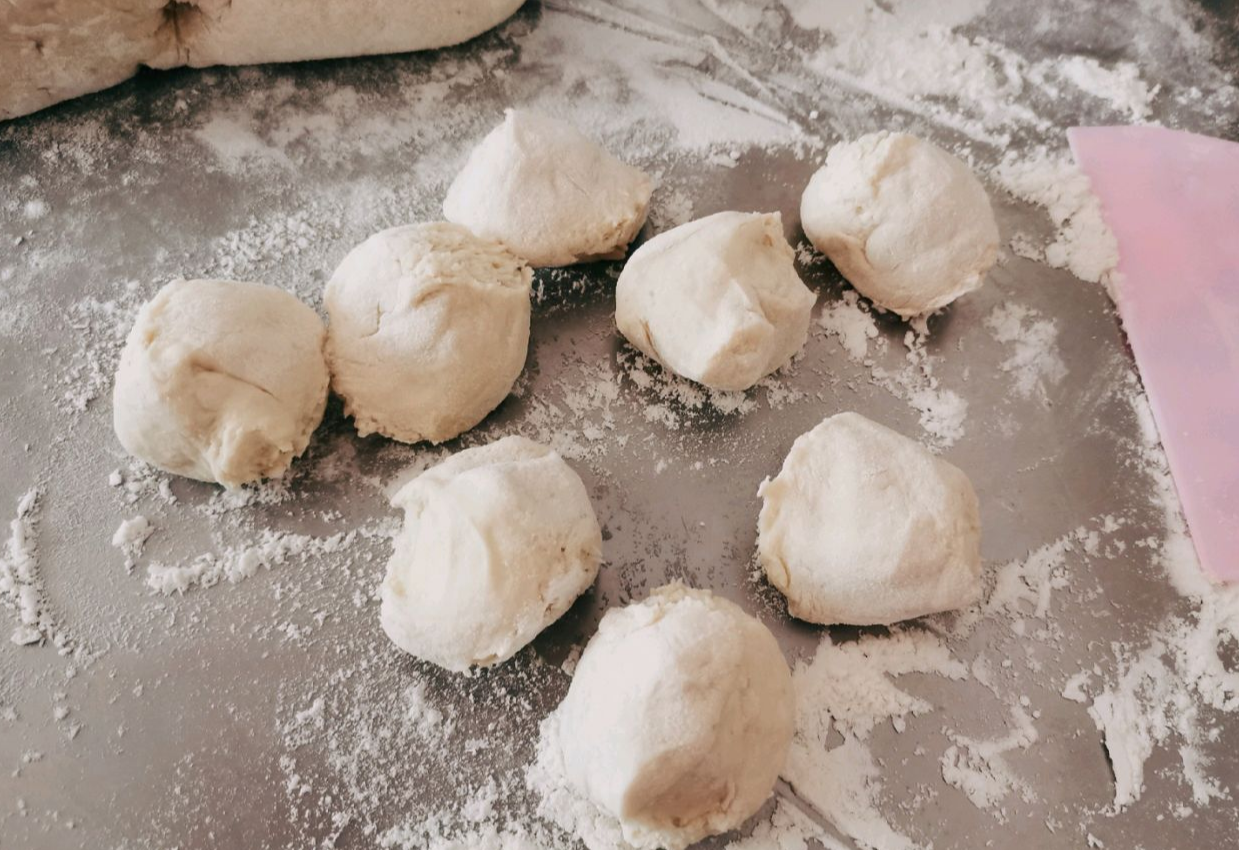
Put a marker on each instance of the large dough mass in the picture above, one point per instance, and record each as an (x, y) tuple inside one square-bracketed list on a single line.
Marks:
[(51, 51)]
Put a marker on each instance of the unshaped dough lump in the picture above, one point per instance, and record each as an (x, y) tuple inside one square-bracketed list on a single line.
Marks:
[(429, 328), (906, 223), (50, 51), (549, 193), (221, 381), (865, 526), (716, 300), (679, 717), (497, 543)]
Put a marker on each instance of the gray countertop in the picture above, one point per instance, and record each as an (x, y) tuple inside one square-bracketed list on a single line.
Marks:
[(191, 720)]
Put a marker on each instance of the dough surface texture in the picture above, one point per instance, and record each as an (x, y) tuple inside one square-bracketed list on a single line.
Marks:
[(549, 193), (716, 300), (52, 51), (429, 328), (498, 541), (864, 526), (221, 381), (679, 717), (908, 224)]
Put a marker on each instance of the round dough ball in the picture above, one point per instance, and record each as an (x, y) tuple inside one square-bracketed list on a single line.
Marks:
[(549, 193), (221, 381), (905, 222), (864, 526), (498, 541), (679, 717), (429, 330), (716, 300)]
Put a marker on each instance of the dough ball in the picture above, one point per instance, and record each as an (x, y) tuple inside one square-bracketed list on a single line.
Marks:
[(905, 222), (498, 541), (679, 717), (864, 526), (221, 381), (549, 193), (429, 330), (716, 300)]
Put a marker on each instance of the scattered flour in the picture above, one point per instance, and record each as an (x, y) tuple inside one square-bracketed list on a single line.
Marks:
[(432, 836), (1177, 554), (130, 538), (979, 768), (851, 685), (1024, 588), (426, 718), (845, 690), (1075, 688), (788, 828), (101, 327), (1120, 86), (237, 563), (679, 399), (1131, 715), (914, 57), (1034, 362), (647, 53), (943, 412), (850, 321), (1083, 243), (1162, 689), (21, 588)]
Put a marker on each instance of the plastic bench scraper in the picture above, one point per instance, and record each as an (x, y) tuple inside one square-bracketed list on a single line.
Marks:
[(1172, 200)]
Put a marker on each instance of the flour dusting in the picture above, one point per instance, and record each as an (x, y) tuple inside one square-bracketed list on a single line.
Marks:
[(20, 585), (1034, 362), (1083, 243)]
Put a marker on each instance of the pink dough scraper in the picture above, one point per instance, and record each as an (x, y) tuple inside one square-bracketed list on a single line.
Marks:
[(1172, 200)]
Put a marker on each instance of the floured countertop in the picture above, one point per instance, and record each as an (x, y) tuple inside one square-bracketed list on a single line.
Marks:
[(197, 668)]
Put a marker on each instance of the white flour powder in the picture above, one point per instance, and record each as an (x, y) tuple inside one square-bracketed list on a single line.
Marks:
[(1083, 243), (1034, 362), (130, 537), (239, 562), (20, 584)]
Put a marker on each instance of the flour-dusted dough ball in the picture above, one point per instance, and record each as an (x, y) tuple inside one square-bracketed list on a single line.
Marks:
[(549, 193), (909, 225), (679, 717), (864, 526), (221, 381), (497, 543), (716, 300), (429, 330)]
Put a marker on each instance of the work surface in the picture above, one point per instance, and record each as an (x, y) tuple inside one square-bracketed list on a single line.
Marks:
[(232, 688)]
